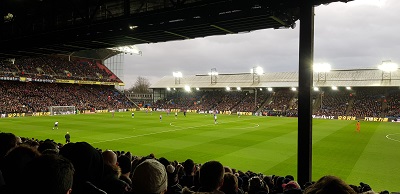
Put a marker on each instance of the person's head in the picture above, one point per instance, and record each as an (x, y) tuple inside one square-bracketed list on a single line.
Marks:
[(164, 161), (227, 169), (125, 164), (87, 162), (109, 157), (268, 181), (278, 184), (48, 146), (188, 167), (330, 185), (291, 185), (7, 142), (256, 184), (230, 185), (14, 163), (150, 176), (48, 174), (211, 175)]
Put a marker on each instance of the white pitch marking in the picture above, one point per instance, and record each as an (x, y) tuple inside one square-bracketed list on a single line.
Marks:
[(147, 134), (387, 136)]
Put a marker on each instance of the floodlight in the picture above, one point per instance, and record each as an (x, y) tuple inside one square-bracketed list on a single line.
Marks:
[(174, 88), (257, 70), (348, 88), (270, 89), (388, 66), (187, 88), (168, 89), (334, 88), (132, 27), (294, 89), (177, 74), (197, 89), (322, 67), (316, 89), (130, 49), (238, 88), (228, 88), (260, 89)]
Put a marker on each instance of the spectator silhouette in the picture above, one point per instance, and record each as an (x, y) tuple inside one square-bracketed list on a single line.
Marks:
[(211, 178), (13, 165), (48, 174), (329, 185), (111, 182), (88, 164)]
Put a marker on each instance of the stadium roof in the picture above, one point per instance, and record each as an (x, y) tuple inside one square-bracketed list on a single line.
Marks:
[(339, 78), (34, 28)]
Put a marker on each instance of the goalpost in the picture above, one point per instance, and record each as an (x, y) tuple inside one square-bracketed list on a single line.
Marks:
[(62, 110)]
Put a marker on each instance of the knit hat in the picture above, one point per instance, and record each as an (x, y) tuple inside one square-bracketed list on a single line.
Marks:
[(149, 177), (291, 185), (170, 169)]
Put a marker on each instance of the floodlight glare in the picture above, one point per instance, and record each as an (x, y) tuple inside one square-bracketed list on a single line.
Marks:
[(388, 66), (132, 27), (187, 88), (260, 89), (174, 88), (168, 89), (197, 89), (213, 73), (334, 88), (177, 74), (322, 67), (294, 89), (228, 88), (258, 70), (348, 88), (316, 89), (270, 89), (238, 88)]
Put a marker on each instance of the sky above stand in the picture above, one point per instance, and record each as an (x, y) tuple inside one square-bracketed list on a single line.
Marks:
[(359, 34)]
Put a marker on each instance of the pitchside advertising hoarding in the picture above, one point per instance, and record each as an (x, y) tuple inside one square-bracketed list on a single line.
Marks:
[(372, 119), (329, 117)]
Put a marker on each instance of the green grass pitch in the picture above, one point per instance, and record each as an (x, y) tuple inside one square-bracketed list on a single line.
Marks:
[(261, 144)]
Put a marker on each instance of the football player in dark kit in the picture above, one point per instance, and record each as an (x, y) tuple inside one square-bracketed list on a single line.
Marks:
[(67, 138)]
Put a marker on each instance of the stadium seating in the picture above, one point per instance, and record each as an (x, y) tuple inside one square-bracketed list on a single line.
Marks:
[(58, 67), (21, 97)]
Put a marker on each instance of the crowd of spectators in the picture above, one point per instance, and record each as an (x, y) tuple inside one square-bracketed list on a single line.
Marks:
[(33, 166), (58, 67), (234, 101), (29, 97), (368, 102), (359, 102), (280, 100), (333, 102), (393, 103)]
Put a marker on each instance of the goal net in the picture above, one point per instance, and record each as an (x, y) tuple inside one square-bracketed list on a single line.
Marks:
[(62, 110)]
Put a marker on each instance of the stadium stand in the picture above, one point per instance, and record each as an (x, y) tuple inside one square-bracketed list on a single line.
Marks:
[(36, 96), (360, 102), (58, 67), (21, 97)]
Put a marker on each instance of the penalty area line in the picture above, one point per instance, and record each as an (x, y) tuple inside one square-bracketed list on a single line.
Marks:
[(387, 136)]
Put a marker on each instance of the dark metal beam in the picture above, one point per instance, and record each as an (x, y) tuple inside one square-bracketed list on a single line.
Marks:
[(306, 55)]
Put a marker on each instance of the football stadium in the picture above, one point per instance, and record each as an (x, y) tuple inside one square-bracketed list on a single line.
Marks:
[(69, 127)]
